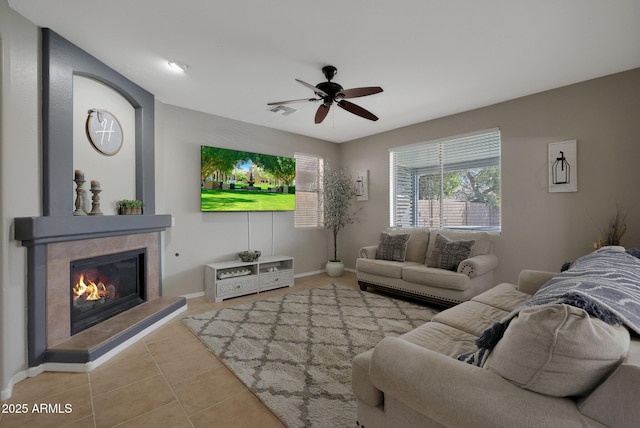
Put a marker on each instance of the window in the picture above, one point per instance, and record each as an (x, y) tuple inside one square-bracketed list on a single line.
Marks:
[(308, 185), (448, 183)]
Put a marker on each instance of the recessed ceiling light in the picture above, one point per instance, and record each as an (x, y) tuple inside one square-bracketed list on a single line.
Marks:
[(178, 66)]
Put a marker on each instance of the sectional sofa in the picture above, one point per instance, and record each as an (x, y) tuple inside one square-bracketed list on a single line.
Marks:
[(552, 364)]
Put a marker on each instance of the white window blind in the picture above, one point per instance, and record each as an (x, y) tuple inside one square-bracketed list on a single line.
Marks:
[(449, 183), (308, 190)]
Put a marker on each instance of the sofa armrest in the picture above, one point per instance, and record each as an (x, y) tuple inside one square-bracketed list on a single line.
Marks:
[(529, 281), (454, 393), (368, 252), (478, 265), (615, 402)]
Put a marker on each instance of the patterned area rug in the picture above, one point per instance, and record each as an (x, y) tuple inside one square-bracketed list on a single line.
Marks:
[(294, 352)]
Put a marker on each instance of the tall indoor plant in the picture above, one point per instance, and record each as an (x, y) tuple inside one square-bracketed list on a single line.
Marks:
[(338, 193)]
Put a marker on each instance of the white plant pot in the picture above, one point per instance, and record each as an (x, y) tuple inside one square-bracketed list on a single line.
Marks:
[(334, 269)]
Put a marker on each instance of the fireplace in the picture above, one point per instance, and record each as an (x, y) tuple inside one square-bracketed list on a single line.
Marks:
[(104, 286), (115, 245)]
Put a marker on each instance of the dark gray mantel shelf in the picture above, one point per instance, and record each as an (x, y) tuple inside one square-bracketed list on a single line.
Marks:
[(43, 230)]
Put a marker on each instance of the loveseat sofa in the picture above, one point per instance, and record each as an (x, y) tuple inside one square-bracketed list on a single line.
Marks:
[(444, 266), (553, 366)]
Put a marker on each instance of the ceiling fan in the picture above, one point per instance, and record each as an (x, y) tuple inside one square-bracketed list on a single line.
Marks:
[(330, 92)]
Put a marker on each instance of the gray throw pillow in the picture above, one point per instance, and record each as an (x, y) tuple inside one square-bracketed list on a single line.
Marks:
[(448, 254), (392, 247)]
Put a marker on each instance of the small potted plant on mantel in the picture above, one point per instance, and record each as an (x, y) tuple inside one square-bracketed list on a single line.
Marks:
[(129, 206), (338, 193)]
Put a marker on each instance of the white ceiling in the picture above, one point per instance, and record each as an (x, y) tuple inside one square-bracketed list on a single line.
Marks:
[(432, 57)]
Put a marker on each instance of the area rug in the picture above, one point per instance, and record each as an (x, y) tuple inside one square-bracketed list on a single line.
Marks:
[(294, 352)]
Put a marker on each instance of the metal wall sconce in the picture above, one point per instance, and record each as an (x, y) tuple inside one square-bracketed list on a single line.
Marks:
[(563, 166), (362, 185)]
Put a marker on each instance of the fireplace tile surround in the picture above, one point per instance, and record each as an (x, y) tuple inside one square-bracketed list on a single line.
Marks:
[(60, 254)]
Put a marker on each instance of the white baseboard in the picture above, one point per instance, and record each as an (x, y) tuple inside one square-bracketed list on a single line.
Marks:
[(315, 272), (192, 295)]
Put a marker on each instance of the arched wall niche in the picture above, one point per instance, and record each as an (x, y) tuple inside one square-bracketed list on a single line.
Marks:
[(61, 60)]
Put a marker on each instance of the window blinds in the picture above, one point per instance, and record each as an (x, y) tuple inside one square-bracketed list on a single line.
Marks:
[(308, 190), (451, 182)]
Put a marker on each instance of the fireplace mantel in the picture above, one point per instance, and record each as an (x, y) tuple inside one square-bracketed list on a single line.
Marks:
[(43, 230)]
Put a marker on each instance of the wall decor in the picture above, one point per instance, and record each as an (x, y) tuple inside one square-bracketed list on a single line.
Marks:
[(362, 185), (104, 131), (563, 166)]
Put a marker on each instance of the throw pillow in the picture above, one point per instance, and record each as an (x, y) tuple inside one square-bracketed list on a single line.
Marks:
[(448, 254), (392, 247), (558, 350)]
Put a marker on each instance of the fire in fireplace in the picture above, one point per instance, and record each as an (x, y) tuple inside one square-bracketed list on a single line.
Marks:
[(89, 291), (105, 286)]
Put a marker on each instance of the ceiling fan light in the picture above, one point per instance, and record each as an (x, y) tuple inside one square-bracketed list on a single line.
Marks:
[(178, 66)]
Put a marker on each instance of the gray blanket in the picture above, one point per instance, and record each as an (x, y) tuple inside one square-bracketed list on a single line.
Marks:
[(605, 283)]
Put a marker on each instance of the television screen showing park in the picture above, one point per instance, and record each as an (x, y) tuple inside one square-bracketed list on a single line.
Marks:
[(233, 180)]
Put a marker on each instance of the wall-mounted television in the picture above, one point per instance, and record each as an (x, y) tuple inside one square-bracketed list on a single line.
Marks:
[(233, 180)]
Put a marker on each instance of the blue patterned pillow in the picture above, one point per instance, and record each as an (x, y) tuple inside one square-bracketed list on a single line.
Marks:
[(392, 247), (448, 254)]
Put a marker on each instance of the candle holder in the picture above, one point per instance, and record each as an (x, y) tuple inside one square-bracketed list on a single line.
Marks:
[(95, 202), (79, 196)]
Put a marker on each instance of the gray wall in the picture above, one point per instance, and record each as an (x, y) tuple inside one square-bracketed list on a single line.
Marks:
[(20, 178), (540, 230)]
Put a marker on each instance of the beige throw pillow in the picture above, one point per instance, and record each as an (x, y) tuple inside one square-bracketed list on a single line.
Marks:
[(558, 350)]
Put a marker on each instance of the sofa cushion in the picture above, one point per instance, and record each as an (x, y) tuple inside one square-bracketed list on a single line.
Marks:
[(471, 317), (503, 296), (558, 350), (448, 254), (386, 268), (482, 240), (417, 244), (392, 247), (441, 338), (420, 274)]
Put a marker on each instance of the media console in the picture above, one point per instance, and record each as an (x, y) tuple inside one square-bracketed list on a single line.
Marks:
[(231, 279)]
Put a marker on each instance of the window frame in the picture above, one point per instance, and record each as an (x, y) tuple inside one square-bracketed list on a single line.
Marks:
[(469, 151), (312, 217)]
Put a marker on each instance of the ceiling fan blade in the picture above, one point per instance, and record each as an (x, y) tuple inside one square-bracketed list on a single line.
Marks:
[(277, 103), (359, 92), (357, 110), (322, 112), (313, 88)]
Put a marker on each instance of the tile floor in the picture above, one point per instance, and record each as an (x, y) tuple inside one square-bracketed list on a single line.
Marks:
[(167, 379)]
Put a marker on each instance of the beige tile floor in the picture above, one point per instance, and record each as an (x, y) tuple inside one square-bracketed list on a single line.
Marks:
[(167, 379)]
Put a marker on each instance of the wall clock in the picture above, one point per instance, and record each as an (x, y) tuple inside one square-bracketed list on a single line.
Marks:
[(104, 132)]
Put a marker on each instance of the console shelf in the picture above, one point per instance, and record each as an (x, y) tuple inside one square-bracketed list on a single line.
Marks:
[(232, 279)]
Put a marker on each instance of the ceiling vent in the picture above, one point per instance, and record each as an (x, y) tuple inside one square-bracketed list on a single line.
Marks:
[(283, 110)]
